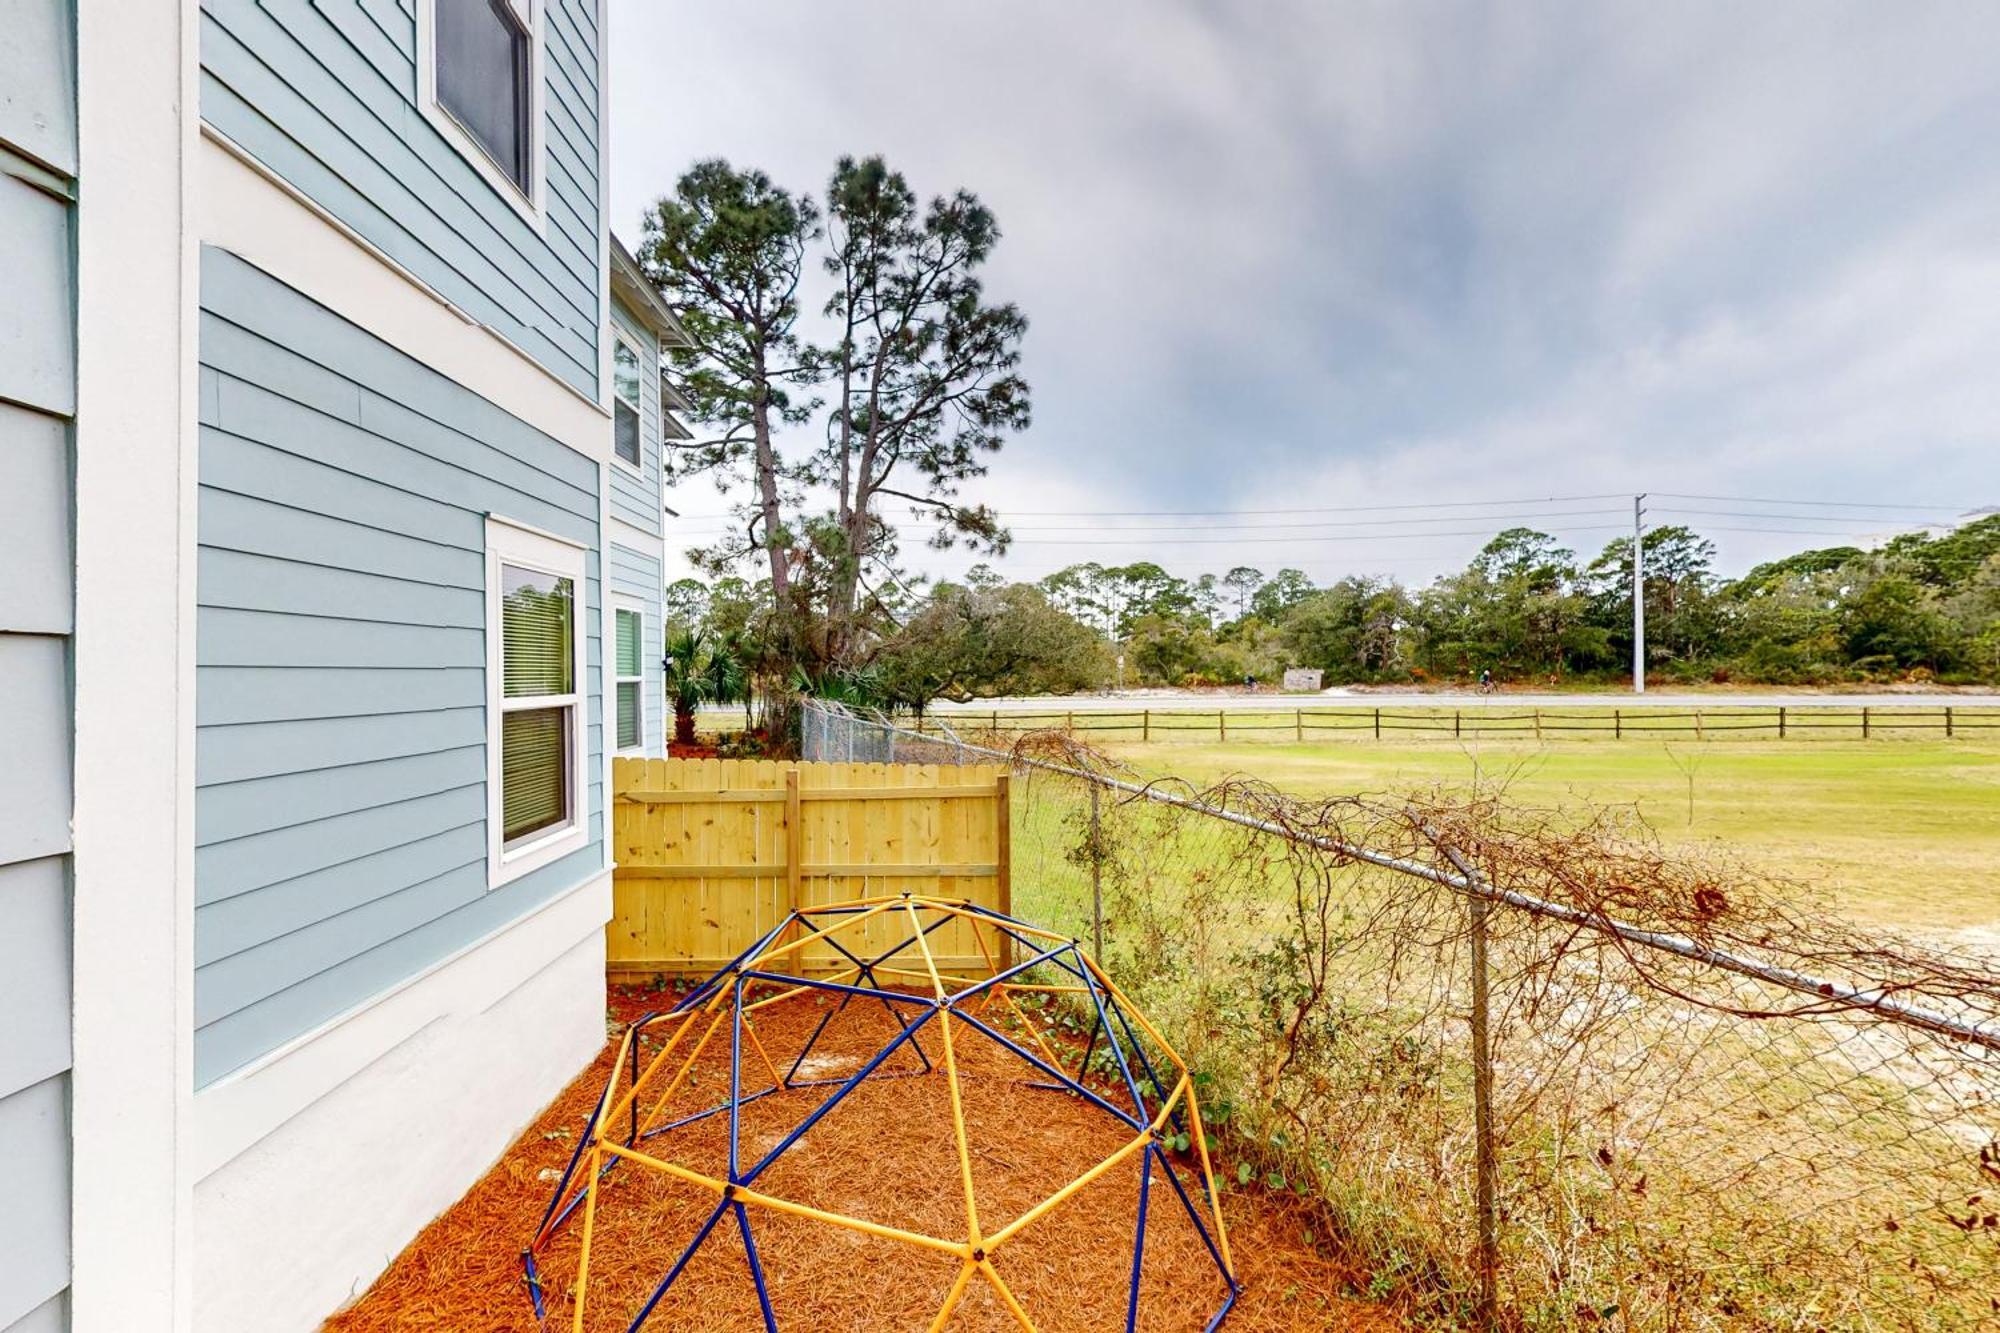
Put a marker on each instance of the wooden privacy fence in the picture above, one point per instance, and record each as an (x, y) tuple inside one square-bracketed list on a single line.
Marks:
[(713, 853)]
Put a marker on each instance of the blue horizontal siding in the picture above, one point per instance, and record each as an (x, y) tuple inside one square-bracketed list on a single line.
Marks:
[(340, 759), (636, 499), (635, 576), (324, 92)]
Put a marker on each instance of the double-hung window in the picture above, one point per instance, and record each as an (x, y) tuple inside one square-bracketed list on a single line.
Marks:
[(534, 699), (631, 629), (625, 402), (479, 82)]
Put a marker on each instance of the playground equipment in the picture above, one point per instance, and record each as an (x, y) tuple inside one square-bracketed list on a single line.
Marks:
[(878, 951)]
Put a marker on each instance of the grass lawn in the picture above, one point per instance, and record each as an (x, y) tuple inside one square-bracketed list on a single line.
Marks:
[(1905, 833)]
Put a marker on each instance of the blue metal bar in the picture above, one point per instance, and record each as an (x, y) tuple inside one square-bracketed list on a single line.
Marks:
[(1228, 1304), (716, 1109), (534, 1280), (1111, 1040), (1000, 978), (756, 1270), (1200, 1230), (1069, 1084), (813, 1040), (839, 988), (575, 1156), (582, 1194), (1139, 1049), (853, 1081), (1139, 1238), (879, 1078), (736, 1078), (708, 987), (679, 1264)]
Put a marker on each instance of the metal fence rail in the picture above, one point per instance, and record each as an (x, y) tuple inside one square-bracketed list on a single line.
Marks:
[(1507, 1099)]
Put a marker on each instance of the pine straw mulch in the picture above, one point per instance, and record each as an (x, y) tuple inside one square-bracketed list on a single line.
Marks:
[(886, 1154)]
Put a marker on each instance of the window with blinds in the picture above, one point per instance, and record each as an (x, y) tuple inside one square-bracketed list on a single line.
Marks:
[(631, 694), (625, 402), (538, 687)]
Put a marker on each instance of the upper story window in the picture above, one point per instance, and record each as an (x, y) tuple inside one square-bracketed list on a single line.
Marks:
[(479, 83), (625, 402)]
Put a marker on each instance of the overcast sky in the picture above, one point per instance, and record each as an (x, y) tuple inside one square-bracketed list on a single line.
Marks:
[(1307, 256)]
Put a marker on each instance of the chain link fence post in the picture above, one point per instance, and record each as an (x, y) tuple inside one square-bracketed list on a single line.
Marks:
[(1096, 873)]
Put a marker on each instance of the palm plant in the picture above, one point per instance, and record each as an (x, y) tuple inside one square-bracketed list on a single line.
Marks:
[(701, 670)]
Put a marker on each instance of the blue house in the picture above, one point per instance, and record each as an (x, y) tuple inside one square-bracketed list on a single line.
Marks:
[(330, 432)]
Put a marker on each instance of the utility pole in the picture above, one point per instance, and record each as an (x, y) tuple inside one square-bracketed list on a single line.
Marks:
[(1638, 594)]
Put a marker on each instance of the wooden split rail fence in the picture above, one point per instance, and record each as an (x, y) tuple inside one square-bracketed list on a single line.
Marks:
[(1831, 722), (713, 853)]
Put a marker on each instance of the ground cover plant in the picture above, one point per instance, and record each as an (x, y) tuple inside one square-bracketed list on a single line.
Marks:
[(1676, 1144)]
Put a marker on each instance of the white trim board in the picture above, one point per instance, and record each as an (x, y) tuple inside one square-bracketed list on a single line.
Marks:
[(131, 1231), (245, 208), (232, 1115)]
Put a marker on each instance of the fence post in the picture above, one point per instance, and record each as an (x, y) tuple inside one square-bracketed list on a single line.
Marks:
[(1299, 724), (1947, 721), (1617, 724), (795, 855), (995, 725), (1378, 724), (1069, 720), (1221, 724), (1096, 875), (1003, 858), (1697, 725), (1486, 1182), (1781, 722), (1864, 722), (1455, 718), (1146, 725), (891, 732), (1538, 725)]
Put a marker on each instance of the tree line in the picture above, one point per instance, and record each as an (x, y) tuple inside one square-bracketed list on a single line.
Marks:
[(1525, 607), (851, 377)]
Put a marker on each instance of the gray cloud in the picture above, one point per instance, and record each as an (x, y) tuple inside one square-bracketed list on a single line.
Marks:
[(1286, 255)]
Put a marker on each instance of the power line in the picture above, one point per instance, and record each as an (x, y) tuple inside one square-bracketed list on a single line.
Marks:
[(1816, 504)]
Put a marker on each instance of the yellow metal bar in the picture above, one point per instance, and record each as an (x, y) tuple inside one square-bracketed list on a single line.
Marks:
[(1133, 1010), (660, 1057), (839, 978), (777, 1080), (956, 1249), (951, 1077), (845, 923), (956, 1295), (687, 1067), (1006, 1296), (1208, 1178), (583, 1254), (1042, 1209)]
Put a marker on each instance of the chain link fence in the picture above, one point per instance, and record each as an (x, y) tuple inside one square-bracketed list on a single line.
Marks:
[(1528, 1069)]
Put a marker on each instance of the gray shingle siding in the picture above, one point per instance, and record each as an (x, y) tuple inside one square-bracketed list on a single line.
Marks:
[(340, 695)]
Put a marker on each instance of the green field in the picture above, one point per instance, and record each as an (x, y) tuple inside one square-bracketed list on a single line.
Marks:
[(1903, 833)]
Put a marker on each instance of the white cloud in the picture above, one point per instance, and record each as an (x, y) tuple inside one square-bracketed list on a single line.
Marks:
[(1286, 255)]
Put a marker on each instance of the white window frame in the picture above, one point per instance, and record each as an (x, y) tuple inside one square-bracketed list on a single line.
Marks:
[(532, 204), (637, 469), (509, 543), (632, 605)]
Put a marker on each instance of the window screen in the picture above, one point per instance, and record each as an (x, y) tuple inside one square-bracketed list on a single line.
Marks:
[(537, 646), (631, 728), (483, 67), (625, 390)]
